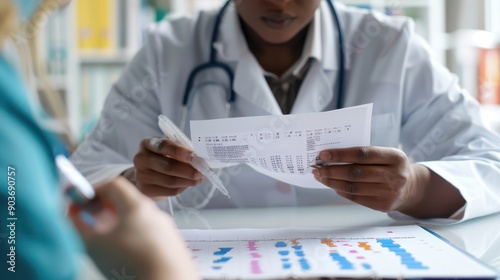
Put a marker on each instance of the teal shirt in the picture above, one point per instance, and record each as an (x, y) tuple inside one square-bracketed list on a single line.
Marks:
[(46, 245)]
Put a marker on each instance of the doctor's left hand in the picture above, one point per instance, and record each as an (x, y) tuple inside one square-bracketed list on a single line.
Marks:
[(376, 177)]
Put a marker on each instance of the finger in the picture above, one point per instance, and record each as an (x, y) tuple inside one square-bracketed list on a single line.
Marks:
[(168, 166), (156, 191), (99, 218), (120, 193), (356, 188), (363, 155), (74, 212), (167, 147), (373, 202), (353, 173), (151, 177)]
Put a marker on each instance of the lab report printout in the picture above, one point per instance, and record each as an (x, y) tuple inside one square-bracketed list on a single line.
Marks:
[(283, 147)]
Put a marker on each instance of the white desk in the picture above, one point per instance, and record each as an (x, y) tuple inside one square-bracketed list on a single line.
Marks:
[(479, 237)]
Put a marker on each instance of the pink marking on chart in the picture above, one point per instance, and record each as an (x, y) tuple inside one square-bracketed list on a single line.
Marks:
[(256, 255), (252, 245), (255, 267)]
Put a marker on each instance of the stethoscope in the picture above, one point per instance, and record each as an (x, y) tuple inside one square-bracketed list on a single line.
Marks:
[(231, 95)]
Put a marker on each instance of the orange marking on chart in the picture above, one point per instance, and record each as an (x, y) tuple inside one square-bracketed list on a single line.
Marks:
[(364, 245), (328, 242)]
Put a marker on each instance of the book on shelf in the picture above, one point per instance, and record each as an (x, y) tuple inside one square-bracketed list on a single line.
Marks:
[(112, 27), (110, 33), (96, 22), (54, 47)]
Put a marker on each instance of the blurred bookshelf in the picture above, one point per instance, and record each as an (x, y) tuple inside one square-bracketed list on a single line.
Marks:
[(58, 50), (473, 52), (489, 74), (88, 44)]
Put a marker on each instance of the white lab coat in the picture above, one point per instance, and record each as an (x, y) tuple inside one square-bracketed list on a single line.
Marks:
[(418, 105)]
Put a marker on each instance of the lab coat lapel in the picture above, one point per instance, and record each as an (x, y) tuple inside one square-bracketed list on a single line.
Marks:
[(249, 80), (250, 83), (316, 91)]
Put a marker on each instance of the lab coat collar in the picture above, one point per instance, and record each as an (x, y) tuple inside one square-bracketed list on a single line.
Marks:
[(329, 38), (313, 47), (250, 83), (316, 91), (231, 43)]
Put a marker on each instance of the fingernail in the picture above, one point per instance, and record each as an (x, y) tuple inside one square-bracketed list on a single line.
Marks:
[(201, 181), (325, 155), (190, 157), (199, 176), (154, 142)]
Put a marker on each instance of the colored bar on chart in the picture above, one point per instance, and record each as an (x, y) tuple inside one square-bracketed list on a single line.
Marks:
[(328, 242), (222, 251), (280, 244), (223, 260), (406, 257)]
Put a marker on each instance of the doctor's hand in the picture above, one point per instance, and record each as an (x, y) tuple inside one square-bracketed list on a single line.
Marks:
[(379, 178), (162, 168), (131, 236)]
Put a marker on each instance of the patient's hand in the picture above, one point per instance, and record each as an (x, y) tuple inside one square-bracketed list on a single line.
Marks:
[(132, 236)]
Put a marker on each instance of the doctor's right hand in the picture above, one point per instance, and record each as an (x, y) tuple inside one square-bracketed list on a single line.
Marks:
[(162, 168)]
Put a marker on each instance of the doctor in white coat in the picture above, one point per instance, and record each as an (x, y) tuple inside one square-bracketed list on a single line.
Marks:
[(430, 154)]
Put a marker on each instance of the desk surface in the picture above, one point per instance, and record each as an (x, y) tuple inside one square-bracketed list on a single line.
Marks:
[(480, 237)]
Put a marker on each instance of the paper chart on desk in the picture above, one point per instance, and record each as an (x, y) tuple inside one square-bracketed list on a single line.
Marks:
[(283, 147), (374, 252)]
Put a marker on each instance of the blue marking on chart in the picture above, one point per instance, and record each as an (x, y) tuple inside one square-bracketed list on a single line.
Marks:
[(406, 257), (280, 244), (222, 251), (283, 253), (222, 260)]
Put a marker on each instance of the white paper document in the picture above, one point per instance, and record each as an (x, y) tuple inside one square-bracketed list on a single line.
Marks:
[(283, 147), (370, 253)]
